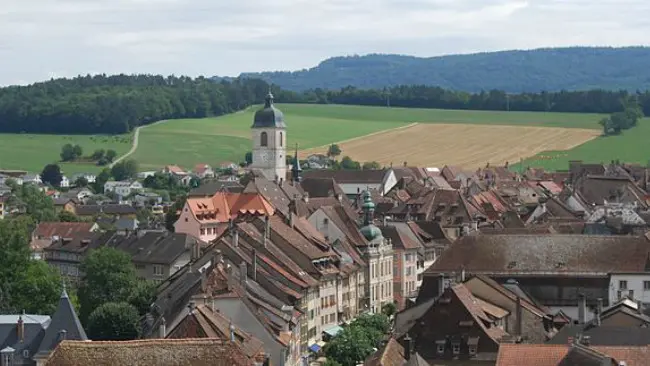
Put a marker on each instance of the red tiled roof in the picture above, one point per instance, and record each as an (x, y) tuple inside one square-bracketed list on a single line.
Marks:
[(175, 169), (511, 354), (201, 168), (226, 205), (62, 229)]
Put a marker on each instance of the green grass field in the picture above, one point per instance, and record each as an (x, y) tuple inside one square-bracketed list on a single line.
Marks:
[(32, 152), (632, 146), (186, 142)]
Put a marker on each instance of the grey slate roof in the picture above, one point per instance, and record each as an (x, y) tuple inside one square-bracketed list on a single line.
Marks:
[(209, 188), (153, 247), (64, 318), (604, 336), (106, 209), (34, 326), (269, 116)]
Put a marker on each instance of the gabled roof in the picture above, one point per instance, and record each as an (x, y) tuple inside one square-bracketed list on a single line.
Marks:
[(544, 255), (223, 206), (62, 229), (405, 319), (201, 168), (111, 209), (511, 354), (186, 352), (321, 187), (209, 188), (399, 238), (64, 319), (154, 247), (393, 354), (474, 308)]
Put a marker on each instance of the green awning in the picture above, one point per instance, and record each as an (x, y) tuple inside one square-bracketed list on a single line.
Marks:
[(333, 331)]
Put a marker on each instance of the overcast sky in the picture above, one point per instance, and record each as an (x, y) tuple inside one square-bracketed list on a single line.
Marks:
[(40, 39)]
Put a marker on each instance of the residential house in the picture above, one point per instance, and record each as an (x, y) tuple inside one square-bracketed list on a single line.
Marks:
[(66, 253), (203, 171), (123, 188), (352, 182), (588, 192), (116, 210), (575, 353), (65, 203), (456, 176), (395, 354), (157, 254), (89, 177), (15, 175), (456, 327), (30, 339), (318, 161), (206, 218), (3, 203), (175, 170), (554, 269), (48, 232), (203, 321), (146, 199), (406, 250), (163, 352), (31, 179), (65, 182), (321, 187), (434, 240)]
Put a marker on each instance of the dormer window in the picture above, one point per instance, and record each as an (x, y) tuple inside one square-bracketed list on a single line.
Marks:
[(455, 347), (440, 347)]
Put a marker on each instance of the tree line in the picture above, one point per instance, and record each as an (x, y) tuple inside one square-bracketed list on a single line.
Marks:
[(421, 96), (120, 103)]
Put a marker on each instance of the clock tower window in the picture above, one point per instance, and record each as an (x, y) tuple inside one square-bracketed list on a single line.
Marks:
[(281, 138), (264, 139)]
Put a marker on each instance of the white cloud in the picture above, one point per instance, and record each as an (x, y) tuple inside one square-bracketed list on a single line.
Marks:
[(227, 37)]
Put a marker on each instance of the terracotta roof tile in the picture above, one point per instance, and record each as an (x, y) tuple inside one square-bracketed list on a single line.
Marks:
[(475, 309), (553, 355), (62, 229)]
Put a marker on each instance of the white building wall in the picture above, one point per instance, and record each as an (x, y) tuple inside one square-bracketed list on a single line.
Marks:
[(633, 287)]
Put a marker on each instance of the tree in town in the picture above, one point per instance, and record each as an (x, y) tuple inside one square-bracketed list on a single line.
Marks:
[(377, 322), (125, 169), (114, 321), (78, 151), (351, 346), (98, 154), (81, 182), (348, 164), (103, 177), (67, 216), (33, 202), (67, 153), (333, 151), (109, 276), (389, 309), (110, 155), (143, 295), (172, 213), (25, 283), (52, 175), (371, 165)]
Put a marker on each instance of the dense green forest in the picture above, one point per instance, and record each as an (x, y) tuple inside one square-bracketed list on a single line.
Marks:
[(553, 69), (117, 104)]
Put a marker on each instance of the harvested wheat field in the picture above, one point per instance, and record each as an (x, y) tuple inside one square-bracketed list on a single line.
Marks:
[(465, 145)]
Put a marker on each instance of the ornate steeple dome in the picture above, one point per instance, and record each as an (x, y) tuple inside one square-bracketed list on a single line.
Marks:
[(269, 116), (369, 230)]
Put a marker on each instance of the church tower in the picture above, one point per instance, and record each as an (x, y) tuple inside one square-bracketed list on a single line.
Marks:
[(269, 141)]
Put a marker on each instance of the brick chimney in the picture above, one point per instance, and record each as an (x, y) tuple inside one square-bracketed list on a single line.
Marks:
[(406, 343), (20, 329)]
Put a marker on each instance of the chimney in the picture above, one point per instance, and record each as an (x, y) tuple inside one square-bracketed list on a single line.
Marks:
[(235, 237), (586, 340), (191, 306), (305, 198), (254, 262), (520, 318), (196, 250), (406, 343), (267, 229), (231, 279), (20, 329), (441, 284), (292, 207), (339, 197), (243, 274), (385, 219), (582, 308), (599, 310), (232, 332), (462, 275), (162, 328), (62, 335), (217, 257)]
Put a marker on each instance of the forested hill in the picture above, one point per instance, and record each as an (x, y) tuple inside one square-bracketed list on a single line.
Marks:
[(119, 103), (550, 69)]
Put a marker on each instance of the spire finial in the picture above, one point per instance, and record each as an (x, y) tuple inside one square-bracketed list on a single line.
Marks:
[(269, 98)]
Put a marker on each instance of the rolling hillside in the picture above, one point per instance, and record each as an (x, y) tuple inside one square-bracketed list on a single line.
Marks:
[(552, 69)]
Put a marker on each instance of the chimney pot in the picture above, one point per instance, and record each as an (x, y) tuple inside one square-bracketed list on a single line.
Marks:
[(243, 274), (407, 347)]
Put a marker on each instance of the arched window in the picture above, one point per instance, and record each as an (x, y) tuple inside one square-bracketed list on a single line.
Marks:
[(264, 139), (281, 139)]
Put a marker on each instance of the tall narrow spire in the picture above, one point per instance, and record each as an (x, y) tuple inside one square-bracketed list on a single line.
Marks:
[(296, 170)]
